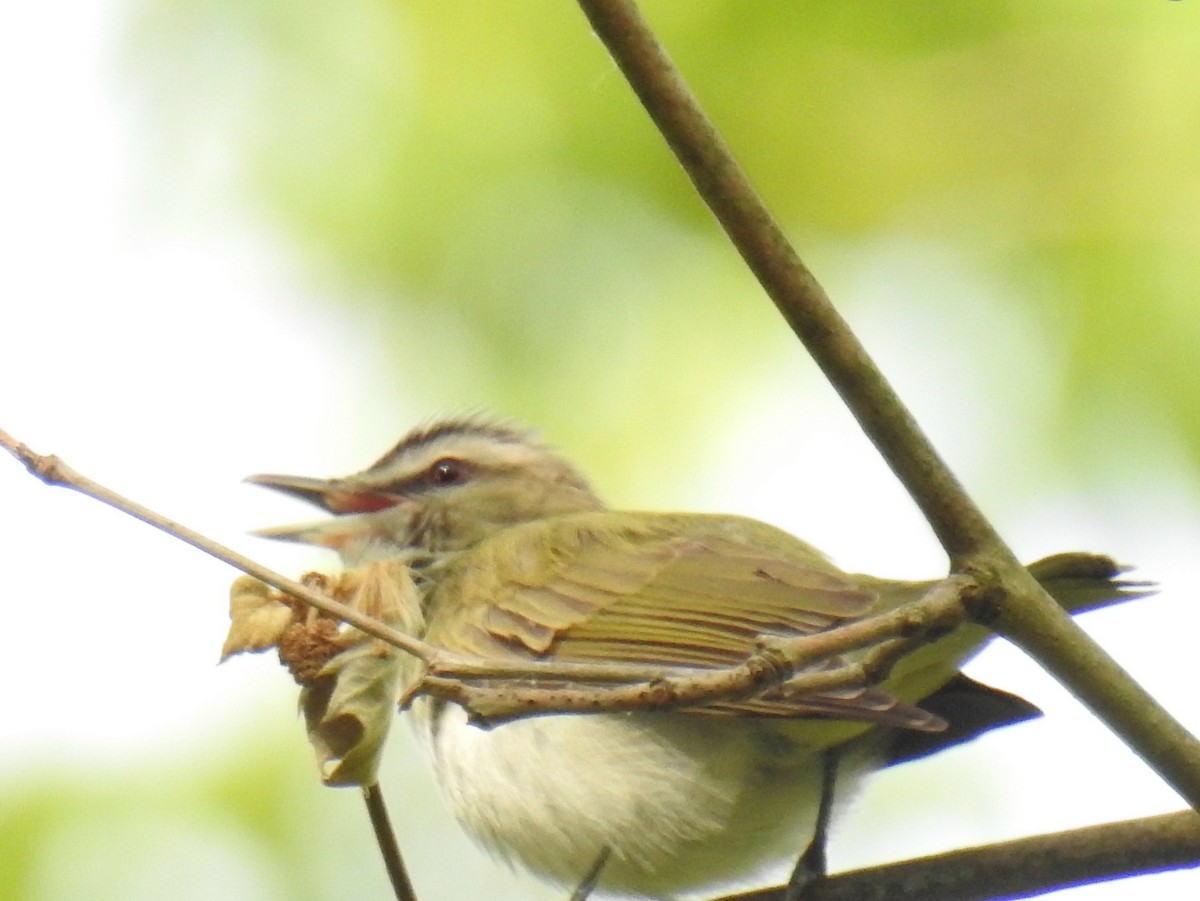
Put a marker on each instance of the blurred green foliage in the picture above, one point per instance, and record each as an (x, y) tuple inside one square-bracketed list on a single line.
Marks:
[(480, 181), (235, 827), (476, 180)]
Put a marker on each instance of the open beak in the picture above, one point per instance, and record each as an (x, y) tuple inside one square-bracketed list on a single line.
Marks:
[(341, 497), (338, 496)]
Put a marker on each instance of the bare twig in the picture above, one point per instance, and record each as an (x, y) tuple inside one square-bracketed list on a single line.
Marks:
[(53, 471), (499, 702), (888, 635), (385, 837), (1022, 868), (1020, 610)]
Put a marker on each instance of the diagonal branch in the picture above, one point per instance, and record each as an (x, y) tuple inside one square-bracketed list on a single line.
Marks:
[(53, 471), (1020, 609)]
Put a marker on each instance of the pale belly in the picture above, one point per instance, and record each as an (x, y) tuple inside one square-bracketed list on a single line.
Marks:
[(684, 804)]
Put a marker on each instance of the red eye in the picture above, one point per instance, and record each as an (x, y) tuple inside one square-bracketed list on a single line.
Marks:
[(446, 471)]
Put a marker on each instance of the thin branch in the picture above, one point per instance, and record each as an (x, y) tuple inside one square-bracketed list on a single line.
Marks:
[(385, 837), (1018, 608), (53, 471), (1022, 868), (500, 702), (778, 661)]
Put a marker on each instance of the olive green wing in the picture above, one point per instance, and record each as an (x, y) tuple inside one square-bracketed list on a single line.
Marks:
[(660, 590)]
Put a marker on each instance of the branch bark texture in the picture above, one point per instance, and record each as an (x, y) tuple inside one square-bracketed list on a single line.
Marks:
[(1022, 868)]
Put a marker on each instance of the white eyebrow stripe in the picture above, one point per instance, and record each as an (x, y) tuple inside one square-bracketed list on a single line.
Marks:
[(493, 431), (476, 449)]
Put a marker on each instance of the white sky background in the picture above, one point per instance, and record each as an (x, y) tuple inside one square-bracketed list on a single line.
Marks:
[(163, 363), (169, 363)]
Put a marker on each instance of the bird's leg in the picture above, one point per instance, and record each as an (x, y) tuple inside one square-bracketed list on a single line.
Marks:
[(593, 876), (812, 864)]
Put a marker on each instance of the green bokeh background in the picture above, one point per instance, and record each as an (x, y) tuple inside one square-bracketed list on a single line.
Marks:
[(479, 176), (475, 185)]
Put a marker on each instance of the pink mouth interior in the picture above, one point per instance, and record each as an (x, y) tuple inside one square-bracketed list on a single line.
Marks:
[(360, 502)]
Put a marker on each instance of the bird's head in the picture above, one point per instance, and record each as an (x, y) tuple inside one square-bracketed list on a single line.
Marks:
[(444, 487)]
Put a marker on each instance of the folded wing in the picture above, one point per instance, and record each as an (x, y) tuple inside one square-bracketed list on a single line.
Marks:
[(641, 589)]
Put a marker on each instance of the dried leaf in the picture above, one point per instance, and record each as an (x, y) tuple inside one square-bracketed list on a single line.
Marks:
[(350, 705), (349, 710), (258, 617)]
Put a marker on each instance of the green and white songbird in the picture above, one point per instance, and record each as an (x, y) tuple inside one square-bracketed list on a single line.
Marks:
[(517, 558)]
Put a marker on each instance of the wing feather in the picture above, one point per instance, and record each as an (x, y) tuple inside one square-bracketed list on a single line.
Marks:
[(660, 589)]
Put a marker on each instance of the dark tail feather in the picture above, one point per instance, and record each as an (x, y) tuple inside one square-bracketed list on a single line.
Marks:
[(969, 708)]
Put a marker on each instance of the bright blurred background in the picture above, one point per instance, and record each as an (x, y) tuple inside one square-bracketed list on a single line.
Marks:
[(271, 236)]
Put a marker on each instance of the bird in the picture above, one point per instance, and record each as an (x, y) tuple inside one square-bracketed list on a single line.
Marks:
[(517, 558)]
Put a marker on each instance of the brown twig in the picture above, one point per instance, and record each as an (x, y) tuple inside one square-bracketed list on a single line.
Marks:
[(888, 635), (1022, 611), (53, 471), (385, 838), (1019, 869)]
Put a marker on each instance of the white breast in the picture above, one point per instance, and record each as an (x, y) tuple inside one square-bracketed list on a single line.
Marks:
[(681, 802)]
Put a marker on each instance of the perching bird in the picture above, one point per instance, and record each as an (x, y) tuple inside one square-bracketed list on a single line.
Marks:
[(517, 558)]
